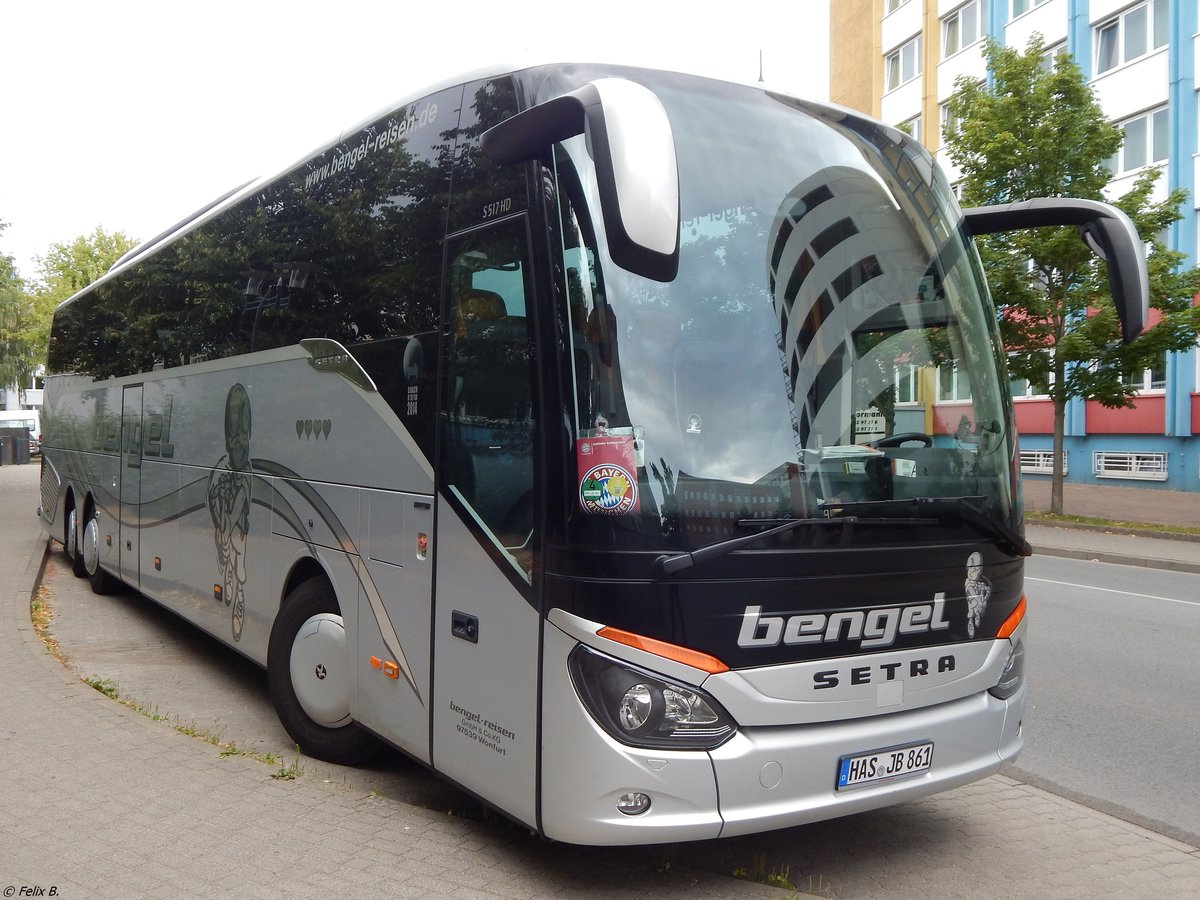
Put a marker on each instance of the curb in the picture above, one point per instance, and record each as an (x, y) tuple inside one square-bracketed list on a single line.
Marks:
[(1118, 529), (1121, 559)]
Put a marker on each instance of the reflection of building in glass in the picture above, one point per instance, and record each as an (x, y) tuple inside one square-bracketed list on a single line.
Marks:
[(714, 509), (841, 253), (899, 61)]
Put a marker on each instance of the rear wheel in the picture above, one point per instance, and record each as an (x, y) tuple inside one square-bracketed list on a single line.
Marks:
[(71, 541), (101, 581), (308, 671)]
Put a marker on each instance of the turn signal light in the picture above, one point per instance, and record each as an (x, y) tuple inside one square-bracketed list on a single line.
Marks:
[(1011, 623), (688, 657)]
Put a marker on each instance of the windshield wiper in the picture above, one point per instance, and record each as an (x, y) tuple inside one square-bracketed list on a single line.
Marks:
[(970, 510), (669, 564)]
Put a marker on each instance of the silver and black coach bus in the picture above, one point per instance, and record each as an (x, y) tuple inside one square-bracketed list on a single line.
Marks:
[(633, 449)]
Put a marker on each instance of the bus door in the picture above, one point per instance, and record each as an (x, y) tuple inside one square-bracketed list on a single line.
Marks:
[(129, 520), (486, 622)]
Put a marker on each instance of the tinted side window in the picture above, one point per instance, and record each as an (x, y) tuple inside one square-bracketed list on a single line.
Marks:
[(488, 460), (483, 191), (348, 246)]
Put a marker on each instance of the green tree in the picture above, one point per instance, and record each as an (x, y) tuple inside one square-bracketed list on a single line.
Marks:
[(1037, 131), (20, 352), (27, 310), (70, 267)]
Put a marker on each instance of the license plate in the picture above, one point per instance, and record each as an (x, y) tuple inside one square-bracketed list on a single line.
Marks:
[(883, 765)]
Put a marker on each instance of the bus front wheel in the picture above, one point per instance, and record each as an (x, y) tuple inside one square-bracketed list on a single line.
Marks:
[(308, 672)]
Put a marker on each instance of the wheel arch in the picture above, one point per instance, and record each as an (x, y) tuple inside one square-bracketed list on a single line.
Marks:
[(305, 569)]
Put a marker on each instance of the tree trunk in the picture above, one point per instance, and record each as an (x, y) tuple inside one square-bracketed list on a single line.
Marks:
[(1056, 479)]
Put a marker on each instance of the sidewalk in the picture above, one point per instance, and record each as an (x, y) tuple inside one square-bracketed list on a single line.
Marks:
[(1128, 547), (98, 800)]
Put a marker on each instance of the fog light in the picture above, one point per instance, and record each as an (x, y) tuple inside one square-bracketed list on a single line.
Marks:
[(633, 804)]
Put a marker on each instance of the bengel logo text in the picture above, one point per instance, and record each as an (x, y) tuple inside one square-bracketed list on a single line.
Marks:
[(874, 627)]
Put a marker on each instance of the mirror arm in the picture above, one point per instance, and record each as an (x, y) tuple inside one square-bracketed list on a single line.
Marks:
[(638, 184), (1103, 227)]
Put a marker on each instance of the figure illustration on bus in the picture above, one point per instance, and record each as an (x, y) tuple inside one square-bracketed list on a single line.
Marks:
[(229, 505), (979, 591)]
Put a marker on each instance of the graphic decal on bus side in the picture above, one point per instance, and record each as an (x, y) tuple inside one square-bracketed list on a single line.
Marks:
[(229, 504), (979, 591), (229, 497)]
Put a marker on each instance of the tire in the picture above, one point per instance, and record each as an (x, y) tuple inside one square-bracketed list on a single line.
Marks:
[(71, 542), (308, 672), (101, 581)]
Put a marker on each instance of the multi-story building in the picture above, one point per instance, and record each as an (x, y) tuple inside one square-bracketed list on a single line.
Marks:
[(899, 60)]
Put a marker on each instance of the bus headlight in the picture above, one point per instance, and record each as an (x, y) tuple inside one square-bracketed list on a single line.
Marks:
[(1013, 675), (642, 709)]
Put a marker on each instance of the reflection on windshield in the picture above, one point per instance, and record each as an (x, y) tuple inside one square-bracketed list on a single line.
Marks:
[(827, 339)]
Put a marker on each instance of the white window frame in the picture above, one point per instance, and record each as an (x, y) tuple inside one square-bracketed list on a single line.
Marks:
[(1041, 462), (949, 123), (1152, 153), (893, 5), (897, 58), (1051, 54), (1020, 7), (1029, 395), (1155, 12), (1129, 464), (960, 386), (913, 373), (1149, 384), (913, 127), (955, 36)]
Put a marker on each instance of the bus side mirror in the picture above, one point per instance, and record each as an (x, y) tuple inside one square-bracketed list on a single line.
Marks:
[(629, 138), (1104, 228)]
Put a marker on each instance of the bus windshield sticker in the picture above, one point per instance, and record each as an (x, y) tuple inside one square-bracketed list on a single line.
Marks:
[(608, 476)]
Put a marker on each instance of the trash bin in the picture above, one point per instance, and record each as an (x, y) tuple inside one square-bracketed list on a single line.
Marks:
[(14, 446)]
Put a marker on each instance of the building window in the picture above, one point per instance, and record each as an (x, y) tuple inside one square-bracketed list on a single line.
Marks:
[(1129, 464), (1023, 388), (893, 5), (1051, 55), (963, 27), (950, 122), (1023, 6), (1147, 142), (1134, 33), (904, 65), (1151, 379), (1041, 462), (912, 127), (907, 381), (953, 384)]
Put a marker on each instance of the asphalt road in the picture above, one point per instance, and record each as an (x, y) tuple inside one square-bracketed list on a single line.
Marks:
[(1114, 668)]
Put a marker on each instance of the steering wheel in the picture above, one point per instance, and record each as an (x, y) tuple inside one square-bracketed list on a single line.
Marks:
[(904, 437)]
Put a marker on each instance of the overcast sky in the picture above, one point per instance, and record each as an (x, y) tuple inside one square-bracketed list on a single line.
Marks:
[(130, 115)]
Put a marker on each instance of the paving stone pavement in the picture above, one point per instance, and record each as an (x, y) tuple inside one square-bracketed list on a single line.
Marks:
[(99, 800)]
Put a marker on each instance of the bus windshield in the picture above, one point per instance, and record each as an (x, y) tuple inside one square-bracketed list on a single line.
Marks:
[(828, 347)]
